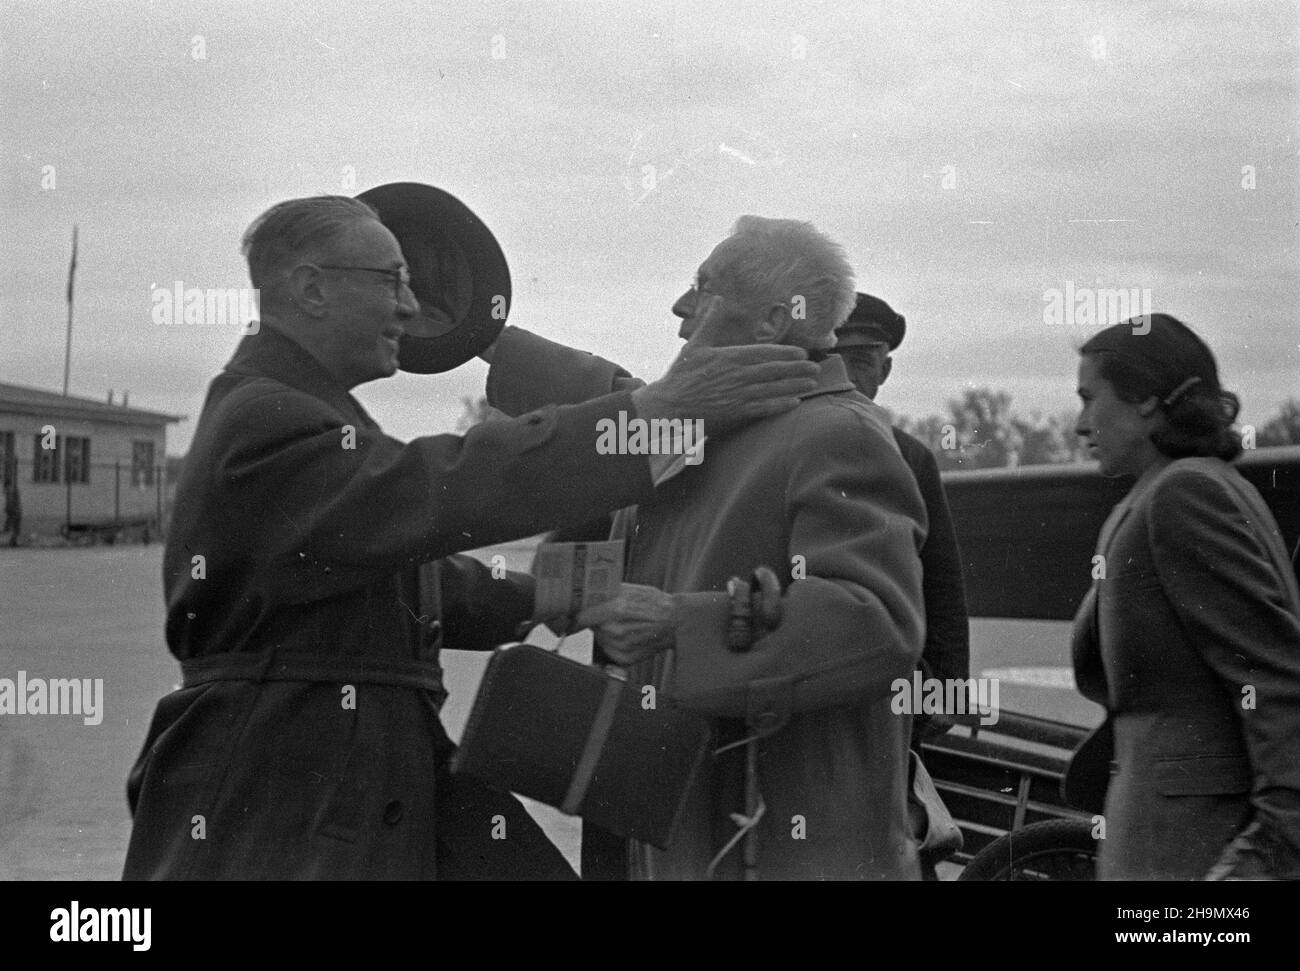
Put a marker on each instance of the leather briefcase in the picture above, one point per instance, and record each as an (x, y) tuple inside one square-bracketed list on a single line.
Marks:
[(577, 738)]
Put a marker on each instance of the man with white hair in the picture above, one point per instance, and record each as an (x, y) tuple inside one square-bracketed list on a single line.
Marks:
[(820, 495)]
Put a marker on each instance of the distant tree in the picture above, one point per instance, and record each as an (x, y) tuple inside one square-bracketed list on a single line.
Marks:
[(1048, 441), (938, 434), (987, 438), (1282, 429), (982, 431)]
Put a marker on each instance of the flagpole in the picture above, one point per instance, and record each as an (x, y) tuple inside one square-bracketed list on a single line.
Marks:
[(67, 348)]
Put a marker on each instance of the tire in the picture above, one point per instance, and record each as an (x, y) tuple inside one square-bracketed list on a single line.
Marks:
[(1057, 849)]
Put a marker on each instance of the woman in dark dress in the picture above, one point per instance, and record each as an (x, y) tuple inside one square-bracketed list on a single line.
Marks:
[(1190, 637)]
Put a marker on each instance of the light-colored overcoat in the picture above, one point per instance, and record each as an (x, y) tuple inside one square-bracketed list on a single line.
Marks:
[(821, 495)]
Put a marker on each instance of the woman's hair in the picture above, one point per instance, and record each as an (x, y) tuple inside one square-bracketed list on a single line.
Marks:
[(1159, 356)]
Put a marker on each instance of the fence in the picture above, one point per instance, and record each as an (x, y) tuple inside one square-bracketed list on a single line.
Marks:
[(74, 497)]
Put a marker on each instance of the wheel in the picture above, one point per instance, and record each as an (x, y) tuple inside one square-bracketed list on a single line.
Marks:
[(1058, 849)]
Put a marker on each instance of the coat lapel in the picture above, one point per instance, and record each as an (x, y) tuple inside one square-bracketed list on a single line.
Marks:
[(1085, 643), (1113, 522)]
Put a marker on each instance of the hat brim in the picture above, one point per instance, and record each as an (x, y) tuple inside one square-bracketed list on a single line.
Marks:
[(458, 274)]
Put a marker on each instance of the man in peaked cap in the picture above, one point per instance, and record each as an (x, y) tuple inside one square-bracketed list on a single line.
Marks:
[(877, 329), (309, 576), (865, 341)]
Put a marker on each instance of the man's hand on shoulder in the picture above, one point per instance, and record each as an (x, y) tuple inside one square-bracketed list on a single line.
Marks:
[(727, 387)]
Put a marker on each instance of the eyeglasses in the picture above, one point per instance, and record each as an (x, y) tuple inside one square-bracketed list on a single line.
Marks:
[(401, 277)]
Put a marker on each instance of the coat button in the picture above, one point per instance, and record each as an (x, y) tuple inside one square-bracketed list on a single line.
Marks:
[(393, 813)]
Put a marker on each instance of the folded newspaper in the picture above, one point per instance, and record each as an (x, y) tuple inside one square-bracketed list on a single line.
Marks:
[(572, 577)]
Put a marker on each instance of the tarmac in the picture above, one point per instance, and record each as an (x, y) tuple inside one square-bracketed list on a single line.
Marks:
[(97, 613)]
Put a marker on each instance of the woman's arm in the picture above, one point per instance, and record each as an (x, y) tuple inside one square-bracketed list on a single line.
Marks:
[(1211, 556)]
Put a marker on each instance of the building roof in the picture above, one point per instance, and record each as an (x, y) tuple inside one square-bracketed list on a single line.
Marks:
[(16, 398)]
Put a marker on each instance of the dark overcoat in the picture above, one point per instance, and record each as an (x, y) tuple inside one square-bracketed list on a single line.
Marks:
[(1192, 642), (305, 740), (947, 628)]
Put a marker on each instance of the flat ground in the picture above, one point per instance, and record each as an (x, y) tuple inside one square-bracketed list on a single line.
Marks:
[(98, 613)]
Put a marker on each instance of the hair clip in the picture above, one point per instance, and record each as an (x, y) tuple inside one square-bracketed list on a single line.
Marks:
[(1180, 390)]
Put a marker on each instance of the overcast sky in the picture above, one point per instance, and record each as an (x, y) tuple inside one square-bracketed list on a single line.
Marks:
[(1088, 141)]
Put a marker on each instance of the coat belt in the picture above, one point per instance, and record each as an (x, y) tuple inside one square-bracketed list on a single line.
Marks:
[(400, 672)]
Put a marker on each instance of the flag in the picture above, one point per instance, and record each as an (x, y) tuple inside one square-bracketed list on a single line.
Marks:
[(72, 267)]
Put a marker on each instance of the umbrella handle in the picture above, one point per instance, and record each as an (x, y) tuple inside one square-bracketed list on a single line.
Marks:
[(766, 598), (755, 608)]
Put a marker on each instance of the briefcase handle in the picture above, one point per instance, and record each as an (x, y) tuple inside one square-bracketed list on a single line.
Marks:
[(755, 608)]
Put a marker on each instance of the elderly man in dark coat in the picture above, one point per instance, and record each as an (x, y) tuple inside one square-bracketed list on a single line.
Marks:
[(305, 599), (823, 497), (865, 341)]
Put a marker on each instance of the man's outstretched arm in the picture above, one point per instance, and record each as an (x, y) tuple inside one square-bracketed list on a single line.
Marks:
[(725, 387)]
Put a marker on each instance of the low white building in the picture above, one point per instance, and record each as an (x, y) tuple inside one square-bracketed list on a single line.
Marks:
[(79, 462)]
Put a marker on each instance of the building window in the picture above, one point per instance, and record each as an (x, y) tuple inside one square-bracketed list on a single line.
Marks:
[(46, 466), (142, 468), (77, 451)]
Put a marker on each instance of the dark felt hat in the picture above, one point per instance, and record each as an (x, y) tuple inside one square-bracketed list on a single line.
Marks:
[(873, 317), (458, 274)]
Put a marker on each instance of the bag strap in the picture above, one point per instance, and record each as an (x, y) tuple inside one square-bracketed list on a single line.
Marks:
[(592, 748)]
